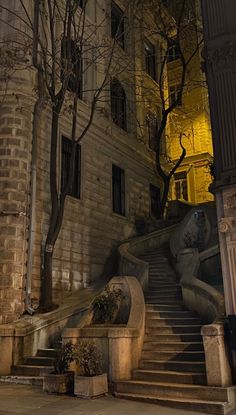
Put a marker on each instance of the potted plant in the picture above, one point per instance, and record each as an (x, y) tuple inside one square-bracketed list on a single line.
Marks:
[(61, 380), (105, 306), (90, 381)]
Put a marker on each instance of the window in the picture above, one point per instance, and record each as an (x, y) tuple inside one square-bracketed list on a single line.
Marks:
[(150, 59), (117, 25), (152, 127), (175, 95), (118, 190), (65, 167), (72, 65), (181, 185), (155, 197), (118, 104), (173, 51), (81, 3)]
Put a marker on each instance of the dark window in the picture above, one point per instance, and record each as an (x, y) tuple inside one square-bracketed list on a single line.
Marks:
[(181, 185), (152, 127), (118, 190), (118, 104), (150, 59), (175, 95), (117, 25), (173, 52), (65, 167), (155, 196), (81, 3), (72, 65)]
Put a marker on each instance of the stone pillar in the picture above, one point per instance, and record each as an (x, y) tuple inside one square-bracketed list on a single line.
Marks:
[(217, 363), (220, 64)]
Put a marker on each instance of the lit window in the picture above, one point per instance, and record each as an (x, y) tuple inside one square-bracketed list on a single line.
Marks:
[(117, 25), (150, 59), (65, 167), (155, 198), (72, 65), (181, 185), (118, 190), (118, 104)]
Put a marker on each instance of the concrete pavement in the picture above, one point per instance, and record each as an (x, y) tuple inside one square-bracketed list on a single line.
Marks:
[(31, 400)]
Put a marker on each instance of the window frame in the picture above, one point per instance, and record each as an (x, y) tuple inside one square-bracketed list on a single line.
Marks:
[(66, 147), (150, 59), (118, 191), (77, 67), (155, 203), (174, 95), (182, 189), (118, 102), (118, 24)]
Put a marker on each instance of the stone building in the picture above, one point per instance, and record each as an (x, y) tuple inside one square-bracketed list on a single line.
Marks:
[(115, 184), (114, 171), (191, 118)]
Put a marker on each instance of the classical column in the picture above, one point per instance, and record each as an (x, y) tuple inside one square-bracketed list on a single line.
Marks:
[(220, 63)]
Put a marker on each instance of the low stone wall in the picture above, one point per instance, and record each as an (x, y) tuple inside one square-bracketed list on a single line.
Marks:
[(27, 335), (121, 345), (198, 296), (129, 264), (206, 301)]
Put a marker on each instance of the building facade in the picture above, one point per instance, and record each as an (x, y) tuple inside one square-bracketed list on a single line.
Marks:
[(115, 183)]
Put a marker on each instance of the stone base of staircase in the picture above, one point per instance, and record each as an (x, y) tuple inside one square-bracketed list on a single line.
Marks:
[(22, 380), (208, 406), (172, 368)]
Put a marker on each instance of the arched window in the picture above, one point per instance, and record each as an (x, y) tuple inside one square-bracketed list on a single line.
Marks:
[(118, 104)]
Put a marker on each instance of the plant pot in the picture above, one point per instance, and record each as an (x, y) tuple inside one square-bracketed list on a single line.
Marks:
[(90, 387), (58, 383)]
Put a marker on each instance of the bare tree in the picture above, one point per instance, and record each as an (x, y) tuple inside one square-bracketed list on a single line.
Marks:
[(176, 25), (58, 38)]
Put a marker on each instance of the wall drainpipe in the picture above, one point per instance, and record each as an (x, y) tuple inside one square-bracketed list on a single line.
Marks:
[(33, 176)]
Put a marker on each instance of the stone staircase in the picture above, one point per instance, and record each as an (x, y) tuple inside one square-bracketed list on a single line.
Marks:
[(172, 368), (33, 368)]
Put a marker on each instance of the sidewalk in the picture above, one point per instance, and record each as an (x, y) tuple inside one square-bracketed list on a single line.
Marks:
[(31, 400)]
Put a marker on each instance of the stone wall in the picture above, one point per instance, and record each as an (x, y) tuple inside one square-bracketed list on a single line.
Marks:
[(90, 228)]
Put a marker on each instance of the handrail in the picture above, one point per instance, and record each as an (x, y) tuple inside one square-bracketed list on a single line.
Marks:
[(198, 296)]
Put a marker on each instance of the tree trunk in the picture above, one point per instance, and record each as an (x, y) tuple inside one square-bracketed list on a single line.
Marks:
[(46, 303), (164, 198)]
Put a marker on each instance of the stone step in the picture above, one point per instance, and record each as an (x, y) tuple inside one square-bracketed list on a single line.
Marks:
[(167, 376), (165, 293), (165, 302), (174, 390), (47, 352), (207, 407), (165, 338), (157, 284), (156, 298), (164, 290), (169, 355), (176, 365), (165, 307), (178, 329), (38, 361), (176, 346), (22, 380), (169, 314), (30, 370), (159, 322)]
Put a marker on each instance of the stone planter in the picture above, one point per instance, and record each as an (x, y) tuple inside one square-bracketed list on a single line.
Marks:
[(90, 387), (58, 383)]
